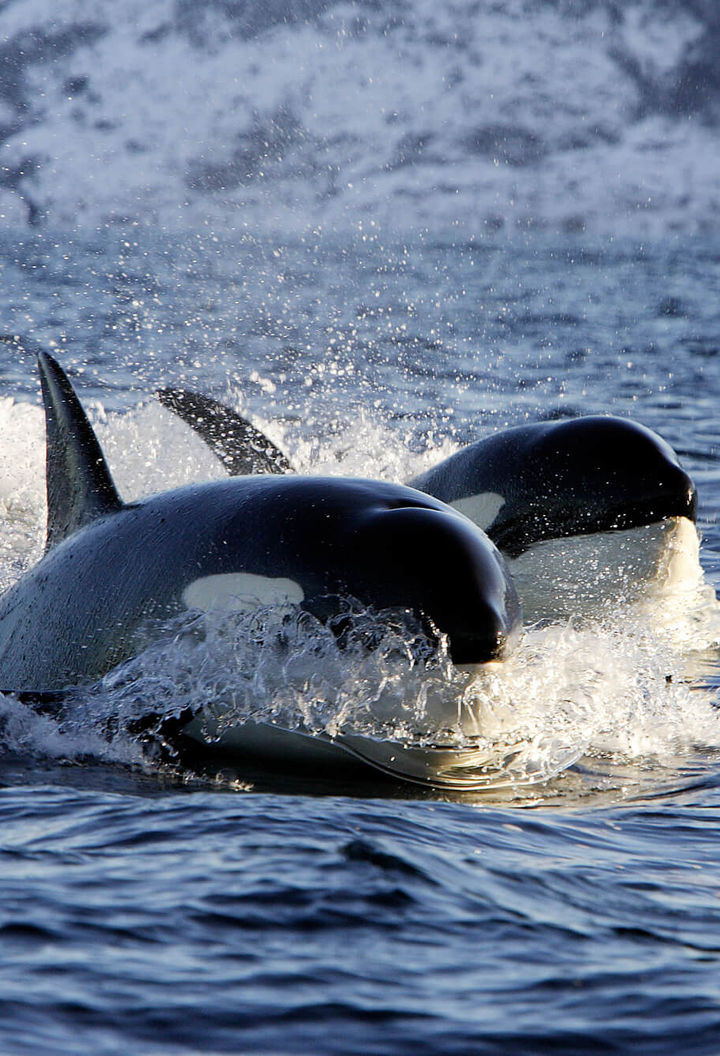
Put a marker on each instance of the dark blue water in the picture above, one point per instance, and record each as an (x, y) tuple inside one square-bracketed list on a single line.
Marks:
[(155, 910), (219, 923)]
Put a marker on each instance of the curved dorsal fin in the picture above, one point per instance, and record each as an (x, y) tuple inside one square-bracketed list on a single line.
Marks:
[(79, 485), (241, 448)]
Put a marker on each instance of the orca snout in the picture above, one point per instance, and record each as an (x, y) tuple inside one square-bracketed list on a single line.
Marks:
[(671, 494), (639, 475), (450, 575)]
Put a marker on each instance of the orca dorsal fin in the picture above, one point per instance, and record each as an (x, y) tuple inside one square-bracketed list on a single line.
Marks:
[(241, 448), (79, 485)]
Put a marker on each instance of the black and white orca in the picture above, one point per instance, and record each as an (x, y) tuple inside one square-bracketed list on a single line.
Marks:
[(588, 511), (113, 571)]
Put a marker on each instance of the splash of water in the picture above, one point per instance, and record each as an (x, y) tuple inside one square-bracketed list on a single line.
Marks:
[(625, 687)]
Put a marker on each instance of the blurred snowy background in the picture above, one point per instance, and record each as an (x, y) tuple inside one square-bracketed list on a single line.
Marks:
[(478, 116)]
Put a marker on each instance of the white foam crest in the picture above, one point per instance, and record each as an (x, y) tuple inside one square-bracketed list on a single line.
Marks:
[(26, 731), (289, 669), (683, 610), (366, 447), (616, 690), (149, 449), (22, 488)]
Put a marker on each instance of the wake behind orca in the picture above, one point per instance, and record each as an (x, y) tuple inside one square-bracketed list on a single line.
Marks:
[(114, 574), (589, 512)]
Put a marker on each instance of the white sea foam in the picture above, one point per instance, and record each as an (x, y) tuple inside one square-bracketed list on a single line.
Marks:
[(22, 488), (617, 690)]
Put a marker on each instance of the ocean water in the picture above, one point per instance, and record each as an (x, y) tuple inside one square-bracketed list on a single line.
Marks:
[(255, 231), (567, 907)]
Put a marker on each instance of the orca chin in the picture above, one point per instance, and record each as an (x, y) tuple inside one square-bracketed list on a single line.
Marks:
[(591, 575), (515, 535)]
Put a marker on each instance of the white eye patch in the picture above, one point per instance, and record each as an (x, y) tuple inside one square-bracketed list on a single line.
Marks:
[(481, 509), (240, 592)]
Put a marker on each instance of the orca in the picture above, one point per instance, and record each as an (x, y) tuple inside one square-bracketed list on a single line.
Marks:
[(588, 512), (114, 572), (569, 477)]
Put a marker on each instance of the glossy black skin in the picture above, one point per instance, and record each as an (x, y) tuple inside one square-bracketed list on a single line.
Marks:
[(558, 479), (241, 448), (78, 612), (571, 477)]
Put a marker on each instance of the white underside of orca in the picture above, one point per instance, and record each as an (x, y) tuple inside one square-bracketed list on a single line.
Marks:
[(585, 575), (466, 767)]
